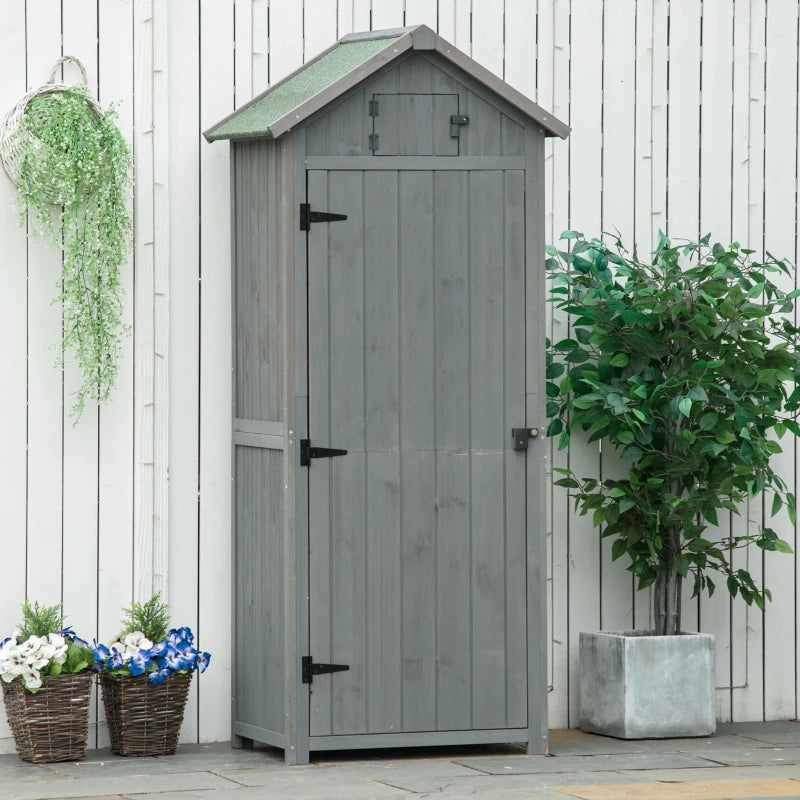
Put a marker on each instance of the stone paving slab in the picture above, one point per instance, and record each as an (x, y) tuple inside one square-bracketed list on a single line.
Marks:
[(622, 761), (71, 788), (746, 756), (708, 790), (591, 744)]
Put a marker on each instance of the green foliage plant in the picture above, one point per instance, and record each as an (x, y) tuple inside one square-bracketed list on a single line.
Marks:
[(74, 179), (686, 366), (39, 620), (150, 618)]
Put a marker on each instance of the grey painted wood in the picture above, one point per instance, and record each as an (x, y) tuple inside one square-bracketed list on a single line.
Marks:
[(259, 582), (536, 455), (258, 283), (258, 440), (418, 739), (415, 163), (415, 124), (258, 734), (264, 427)]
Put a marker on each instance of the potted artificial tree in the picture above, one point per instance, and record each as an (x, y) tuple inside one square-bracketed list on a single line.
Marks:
[(685, 365)]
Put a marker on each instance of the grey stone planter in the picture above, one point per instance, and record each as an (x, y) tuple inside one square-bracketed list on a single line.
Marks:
[(636, 685)]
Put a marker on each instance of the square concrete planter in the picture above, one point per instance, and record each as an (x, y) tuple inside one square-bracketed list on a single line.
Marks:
[(636, 685)]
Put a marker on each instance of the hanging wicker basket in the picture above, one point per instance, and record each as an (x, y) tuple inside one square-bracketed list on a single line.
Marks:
[(145, 719), (15, 141), (52, 724)]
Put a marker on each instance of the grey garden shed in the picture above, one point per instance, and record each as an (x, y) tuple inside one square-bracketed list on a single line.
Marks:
[(389, 530)]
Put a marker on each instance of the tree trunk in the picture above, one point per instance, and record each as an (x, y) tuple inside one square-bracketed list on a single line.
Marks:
[(667, 589)]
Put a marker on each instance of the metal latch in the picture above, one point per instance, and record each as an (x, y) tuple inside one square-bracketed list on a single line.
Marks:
[(307, 452), (456, 121), (310, 668), (521, 436), (307, 216)]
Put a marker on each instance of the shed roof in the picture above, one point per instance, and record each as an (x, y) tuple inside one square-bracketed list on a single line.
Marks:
[(351, 60)]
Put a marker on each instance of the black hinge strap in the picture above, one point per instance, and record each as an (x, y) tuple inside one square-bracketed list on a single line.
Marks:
[(307, 452), (310, 669), (307, 216)]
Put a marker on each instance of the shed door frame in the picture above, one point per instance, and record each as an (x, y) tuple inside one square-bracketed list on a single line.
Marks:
[(536, 733)]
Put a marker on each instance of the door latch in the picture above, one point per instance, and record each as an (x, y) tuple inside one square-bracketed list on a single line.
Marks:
[(521, 436)]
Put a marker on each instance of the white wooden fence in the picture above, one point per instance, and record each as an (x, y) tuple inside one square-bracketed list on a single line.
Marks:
[(685, 118)]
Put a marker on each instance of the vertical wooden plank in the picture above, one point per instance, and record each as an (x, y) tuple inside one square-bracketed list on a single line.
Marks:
[(658, 117), (683, 167), (387, 14), (319, 478), (216, 100), (520, 46), (184, 146), (243, 50), (115, 499), (81, 441), (487, 35), (319, 27), (584, 215), (417, 398), (748, 672), (617, 214), (354, 15), (780, 238), (422, 12), (487, 438), (285, 38), (453, 574), (14, 331), (643, 112), (462, 24), (483, 135), (260, 45), (715, 218), (415, 122), (517, 628), (45, 383), (346, 403)]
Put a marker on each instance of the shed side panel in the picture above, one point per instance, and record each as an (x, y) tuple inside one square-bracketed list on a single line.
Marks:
[(258, 286)]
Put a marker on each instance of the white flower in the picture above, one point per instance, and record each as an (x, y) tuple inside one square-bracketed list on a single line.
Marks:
[(133, 639), (145, 644), (32, 679), (57, 640)]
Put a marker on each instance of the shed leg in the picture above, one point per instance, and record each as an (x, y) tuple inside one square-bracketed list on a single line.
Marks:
[(241, 742)]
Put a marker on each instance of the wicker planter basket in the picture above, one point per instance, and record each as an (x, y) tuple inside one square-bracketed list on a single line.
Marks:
[(52, 724), (144, 719)]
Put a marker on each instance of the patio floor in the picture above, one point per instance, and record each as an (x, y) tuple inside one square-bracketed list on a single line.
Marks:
[(745, 760)]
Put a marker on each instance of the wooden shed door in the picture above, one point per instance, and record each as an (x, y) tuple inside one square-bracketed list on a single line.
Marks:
[(416, 325)]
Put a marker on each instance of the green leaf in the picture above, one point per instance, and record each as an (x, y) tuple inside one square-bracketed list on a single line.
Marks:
[(617, 492), (709, 421), (555, 427), (733, 585), (782, 547), (619, 360), (777, 502), (618, 549), (568, 483), (685, 406), (625, 437), (698, 393)]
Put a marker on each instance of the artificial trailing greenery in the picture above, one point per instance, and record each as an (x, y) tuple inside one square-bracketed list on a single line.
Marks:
[(150, 618), (39, 620), (686, 365), (80, 161)]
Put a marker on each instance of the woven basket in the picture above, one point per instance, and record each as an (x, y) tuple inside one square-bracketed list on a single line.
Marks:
[(144, 719), (14, 142), (52, 724)]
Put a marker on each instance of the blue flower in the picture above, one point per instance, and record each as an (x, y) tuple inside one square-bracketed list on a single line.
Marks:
[(99, 651), (115, 661), (171, 660), (140, 663), (203, 660), (186, 634), (159, 676), (3, 643), (159, 648)]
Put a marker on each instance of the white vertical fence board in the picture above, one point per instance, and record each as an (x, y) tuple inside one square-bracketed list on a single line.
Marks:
[(216, 101), (487, 34), (387, 14), (520, 46), (259, 32), (617, 215), (184, 248), (585, 105), (320, 27), (423, 12), (780, 231), (45, 388), (716, 147), (354, 15), (285, 39), (243, 50), (115, 495), (13, 328), (658, 120)]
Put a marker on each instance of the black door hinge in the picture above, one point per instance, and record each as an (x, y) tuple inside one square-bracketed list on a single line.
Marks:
[(374, 141), (307, 452), (310, 668), (373, 108), (307, 216)]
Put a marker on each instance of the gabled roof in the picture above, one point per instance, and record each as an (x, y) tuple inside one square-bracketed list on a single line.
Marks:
[(351, 60)]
